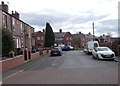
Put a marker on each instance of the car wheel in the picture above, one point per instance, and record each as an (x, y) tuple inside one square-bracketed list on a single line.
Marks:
[(97, 57), (93, 57)]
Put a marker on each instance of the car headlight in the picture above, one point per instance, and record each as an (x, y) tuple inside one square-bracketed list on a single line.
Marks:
[(113, 55), (101, 54)]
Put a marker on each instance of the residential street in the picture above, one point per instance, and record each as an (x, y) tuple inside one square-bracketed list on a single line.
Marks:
[(73, 67)]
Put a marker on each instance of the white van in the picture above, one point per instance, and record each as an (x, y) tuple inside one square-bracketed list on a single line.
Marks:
[(90, 46)]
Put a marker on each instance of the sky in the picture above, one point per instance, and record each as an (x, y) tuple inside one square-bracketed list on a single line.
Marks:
[(69, 15)]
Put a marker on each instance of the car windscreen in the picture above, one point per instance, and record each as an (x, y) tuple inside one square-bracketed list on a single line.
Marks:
[(55, 49), (95, 45), (103, 49)]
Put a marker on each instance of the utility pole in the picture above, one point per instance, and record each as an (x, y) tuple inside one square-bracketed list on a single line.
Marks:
[(93, 30)]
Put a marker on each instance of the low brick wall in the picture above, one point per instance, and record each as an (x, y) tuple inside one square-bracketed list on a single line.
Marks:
[(44, 52), (18, 60), (35, 55), (11, 63)]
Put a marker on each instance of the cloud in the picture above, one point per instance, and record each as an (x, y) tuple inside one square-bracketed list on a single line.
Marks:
[(108, 26), (59, 20), (72, 23), (74, 16)]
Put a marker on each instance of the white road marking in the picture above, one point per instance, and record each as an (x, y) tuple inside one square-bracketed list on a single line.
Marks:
[(13, 74), (53, 64)]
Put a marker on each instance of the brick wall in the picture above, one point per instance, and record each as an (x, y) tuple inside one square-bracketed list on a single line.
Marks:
[(18, 60), (35, 55), (44, 52), (11, 63)]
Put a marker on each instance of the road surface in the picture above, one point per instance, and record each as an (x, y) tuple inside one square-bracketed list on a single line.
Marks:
[(73, 67)]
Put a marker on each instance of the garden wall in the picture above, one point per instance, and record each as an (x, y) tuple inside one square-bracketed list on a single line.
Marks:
[(11, 63)]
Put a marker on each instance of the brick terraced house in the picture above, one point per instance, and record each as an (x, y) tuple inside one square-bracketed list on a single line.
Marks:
[(21, 31), (63, 38), (39, 38)]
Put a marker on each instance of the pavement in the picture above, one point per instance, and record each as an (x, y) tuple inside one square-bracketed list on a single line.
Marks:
[(117, 58), (22, 67), (71, 68)]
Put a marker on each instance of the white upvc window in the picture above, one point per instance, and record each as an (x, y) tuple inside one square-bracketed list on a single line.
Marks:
[(38, 38), (13, 24), (21, 26), (67, 38), (4, 21), (60, 39), (42, 38)]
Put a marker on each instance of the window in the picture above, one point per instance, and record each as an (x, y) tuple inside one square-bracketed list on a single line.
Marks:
[(70, 38), (38, 38), (4, 21), (67, 38), (21, 41), (95, 45), (60, 38), (21, 27), (41, 38), (13, 24)]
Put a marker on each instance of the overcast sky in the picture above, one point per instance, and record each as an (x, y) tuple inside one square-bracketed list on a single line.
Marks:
[(69, 15)]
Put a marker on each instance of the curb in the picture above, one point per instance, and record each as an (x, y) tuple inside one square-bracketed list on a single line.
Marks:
[(22, 67), (117, 60)]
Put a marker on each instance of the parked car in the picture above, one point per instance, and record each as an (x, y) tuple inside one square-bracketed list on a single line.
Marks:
[(103, 53), (71, 47), (56, 51), (90, 46), (85, 49), (66, 48)]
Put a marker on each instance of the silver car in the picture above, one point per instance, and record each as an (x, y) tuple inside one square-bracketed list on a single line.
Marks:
[(103, 53)]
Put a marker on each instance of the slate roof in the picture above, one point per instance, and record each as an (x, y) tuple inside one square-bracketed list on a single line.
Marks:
[(59, 35)]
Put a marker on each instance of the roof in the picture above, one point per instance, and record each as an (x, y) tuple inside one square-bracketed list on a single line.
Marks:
[(17, 18), (59, 35), (38, 32)]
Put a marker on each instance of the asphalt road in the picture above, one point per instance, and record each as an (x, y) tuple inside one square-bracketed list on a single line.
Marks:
[(73, 67)]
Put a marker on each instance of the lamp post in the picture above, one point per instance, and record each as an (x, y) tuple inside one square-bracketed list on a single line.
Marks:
[(93, 30)]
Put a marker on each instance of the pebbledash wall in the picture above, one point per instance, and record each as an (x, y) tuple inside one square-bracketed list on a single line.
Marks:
[(19, 60)]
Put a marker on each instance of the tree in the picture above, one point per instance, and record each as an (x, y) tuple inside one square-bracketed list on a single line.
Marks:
[(49, 36), (8, 43)]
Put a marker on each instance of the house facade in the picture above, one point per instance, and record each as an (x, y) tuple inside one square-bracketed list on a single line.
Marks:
[(79, 39), (63, 37), (21, 31), (39, 38)]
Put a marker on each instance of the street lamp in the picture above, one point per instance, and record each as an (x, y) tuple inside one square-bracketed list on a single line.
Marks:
[(93, 30)]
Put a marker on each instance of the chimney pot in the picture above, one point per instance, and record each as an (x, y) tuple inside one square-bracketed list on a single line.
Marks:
[(12, 12), (2, 3), (60, 30)]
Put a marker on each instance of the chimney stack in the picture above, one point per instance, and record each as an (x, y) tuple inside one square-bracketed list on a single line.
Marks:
[(4, 7), (43, 30), (15, 14), (60, 30), (79, 32)]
